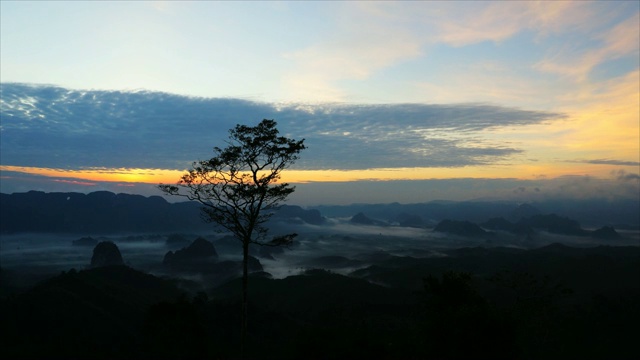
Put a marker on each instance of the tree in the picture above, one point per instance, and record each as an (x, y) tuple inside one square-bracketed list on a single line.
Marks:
[(238, 189)]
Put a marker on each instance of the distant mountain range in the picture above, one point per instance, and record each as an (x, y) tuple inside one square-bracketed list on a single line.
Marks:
[(104, 212), (96, 212), (592, 213), (528, 226)]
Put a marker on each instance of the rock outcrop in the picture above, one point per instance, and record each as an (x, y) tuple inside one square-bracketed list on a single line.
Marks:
[(291, 213), (198, 253), (106, 253), (606, 233), (362, 219)]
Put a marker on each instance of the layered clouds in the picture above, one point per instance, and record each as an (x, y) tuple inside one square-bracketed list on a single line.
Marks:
[(129, 141), (54, 127)]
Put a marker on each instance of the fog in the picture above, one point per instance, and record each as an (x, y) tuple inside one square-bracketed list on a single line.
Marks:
[(338, 246)]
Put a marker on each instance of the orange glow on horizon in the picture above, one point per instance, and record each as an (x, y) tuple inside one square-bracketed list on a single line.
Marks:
[(169, 176)]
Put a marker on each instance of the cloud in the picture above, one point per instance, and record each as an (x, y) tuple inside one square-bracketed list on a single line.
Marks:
[(75, 182), (609, 162), (363, 42), (583, 187), (475, 22), (622, 175), (45, 126), (367, 42), (619, 41)]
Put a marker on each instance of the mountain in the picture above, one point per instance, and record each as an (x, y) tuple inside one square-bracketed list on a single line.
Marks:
[(97, 212), (85, 241), (523, 211), (200, 252), (293, 213), (551, 223), (104, 212), (622, 213), (362, 219), (462, 228), (605, 232), (555, 224), (106, 253), (410, 220)]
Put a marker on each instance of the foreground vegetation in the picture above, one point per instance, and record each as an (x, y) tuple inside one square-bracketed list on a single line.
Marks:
[(552, 302)]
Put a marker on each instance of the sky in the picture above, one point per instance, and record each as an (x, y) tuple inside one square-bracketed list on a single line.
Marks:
[(397, 101)]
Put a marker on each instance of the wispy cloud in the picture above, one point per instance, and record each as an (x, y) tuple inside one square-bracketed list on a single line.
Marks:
[(365, 41), (368, 40), (497, 21), (74, 182), (609, 162), (619, 41)]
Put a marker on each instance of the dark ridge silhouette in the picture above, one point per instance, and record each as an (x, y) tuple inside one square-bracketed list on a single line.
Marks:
[(555, 224), (85, 241), (551, 223), (198, 252), (606, 232), (104, 212), (624, 213), (410, 220), (461, 228), (106, 253), (107, 213), (362, 219), (201, 258), (100, 212), (292, 212), (523, 211)]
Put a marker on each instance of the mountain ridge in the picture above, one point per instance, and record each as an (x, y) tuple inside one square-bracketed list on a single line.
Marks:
[(104, 212)]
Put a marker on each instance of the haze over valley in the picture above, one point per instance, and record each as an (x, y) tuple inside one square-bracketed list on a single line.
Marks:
[(40, 231)]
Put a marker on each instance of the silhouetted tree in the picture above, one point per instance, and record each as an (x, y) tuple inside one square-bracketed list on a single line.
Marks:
[(238, 188)]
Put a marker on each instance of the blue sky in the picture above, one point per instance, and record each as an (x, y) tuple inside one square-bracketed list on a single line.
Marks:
[(499, 92)]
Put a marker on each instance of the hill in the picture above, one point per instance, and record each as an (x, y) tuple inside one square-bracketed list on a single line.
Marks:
[(551, 302), (104, 212)]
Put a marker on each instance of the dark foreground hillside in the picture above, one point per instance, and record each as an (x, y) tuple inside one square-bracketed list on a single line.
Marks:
[(551, 302)]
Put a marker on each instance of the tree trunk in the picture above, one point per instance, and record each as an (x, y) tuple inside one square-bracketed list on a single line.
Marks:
[(245, 297)]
